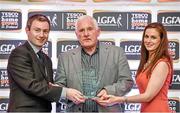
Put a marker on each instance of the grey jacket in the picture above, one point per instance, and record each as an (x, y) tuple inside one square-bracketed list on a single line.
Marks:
[(114, 73)]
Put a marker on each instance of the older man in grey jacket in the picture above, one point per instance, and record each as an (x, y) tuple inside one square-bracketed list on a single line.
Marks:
[(93, 70)]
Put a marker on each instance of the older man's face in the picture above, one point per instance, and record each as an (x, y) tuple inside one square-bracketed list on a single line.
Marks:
[(87, 33)]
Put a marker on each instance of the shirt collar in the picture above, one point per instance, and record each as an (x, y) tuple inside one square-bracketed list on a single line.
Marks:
[(35, 48), (97, 49)]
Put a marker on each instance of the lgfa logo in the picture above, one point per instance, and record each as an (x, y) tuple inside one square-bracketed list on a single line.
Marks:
[(171, 20), (132, 107), (3, 104), (6, 48), (132, 48), (65, 45), (68, 47), (110, 20)]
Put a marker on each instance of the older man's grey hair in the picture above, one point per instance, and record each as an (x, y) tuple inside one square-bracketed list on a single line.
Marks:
[(86, 17)]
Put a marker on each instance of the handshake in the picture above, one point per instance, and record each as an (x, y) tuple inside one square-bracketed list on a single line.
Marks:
[(102, 98), (77, 97)]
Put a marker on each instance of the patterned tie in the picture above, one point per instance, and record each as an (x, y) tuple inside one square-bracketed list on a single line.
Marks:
[(42, 61), (41, 56)]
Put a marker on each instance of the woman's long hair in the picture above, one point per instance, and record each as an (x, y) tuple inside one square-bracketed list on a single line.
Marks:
[(161, 51)]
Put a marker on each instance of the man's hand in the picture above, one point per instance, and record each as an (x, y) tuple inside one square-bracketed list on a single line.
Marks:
[(110, 100), (75, 96), (55, 85), (102, 95)]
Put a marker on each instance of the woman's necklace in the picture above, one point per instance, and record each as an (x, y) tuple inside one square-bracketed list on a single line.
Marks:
[(147, 64)]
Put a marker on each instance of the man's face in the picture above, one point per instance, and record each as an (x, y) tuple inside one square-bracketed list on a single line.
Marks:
[(38, 33), (87, 33)]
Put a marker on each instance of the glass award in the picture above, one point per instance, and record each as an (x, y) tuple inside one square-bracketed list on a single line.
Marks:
[(89, 83)]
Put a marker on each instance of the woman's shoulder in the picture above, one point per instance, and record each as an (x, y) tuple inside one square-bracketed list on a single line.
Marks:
[(162, 62), (164, 59)]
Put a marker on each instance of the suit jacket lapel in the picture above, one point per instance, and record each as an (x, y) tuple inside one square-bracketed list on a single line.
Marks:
[(103, 55), (76, 60), (34, 57), (45, 69)]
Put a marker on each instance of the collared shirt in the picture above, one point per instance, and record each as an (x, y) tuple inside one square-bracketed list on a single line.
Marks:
[(90, 61), (35, 48), (90, 69)]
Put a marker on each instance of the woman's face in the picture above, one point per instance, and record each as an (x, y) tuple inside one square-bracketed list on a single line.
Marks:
[(151, 39)]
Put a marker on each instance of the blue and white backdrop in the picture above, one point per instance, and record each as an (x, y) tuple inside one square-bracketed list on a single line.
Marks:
[(122, 23)]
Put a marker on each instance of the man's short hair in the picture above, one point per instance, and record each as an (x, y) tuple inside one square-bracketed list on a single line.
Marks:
[(84, 17), (39, 17)]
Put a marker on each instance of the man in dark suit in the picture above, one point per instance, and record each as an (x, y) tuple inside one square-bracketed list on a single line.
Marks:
[(31, 75), (93, 70)]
